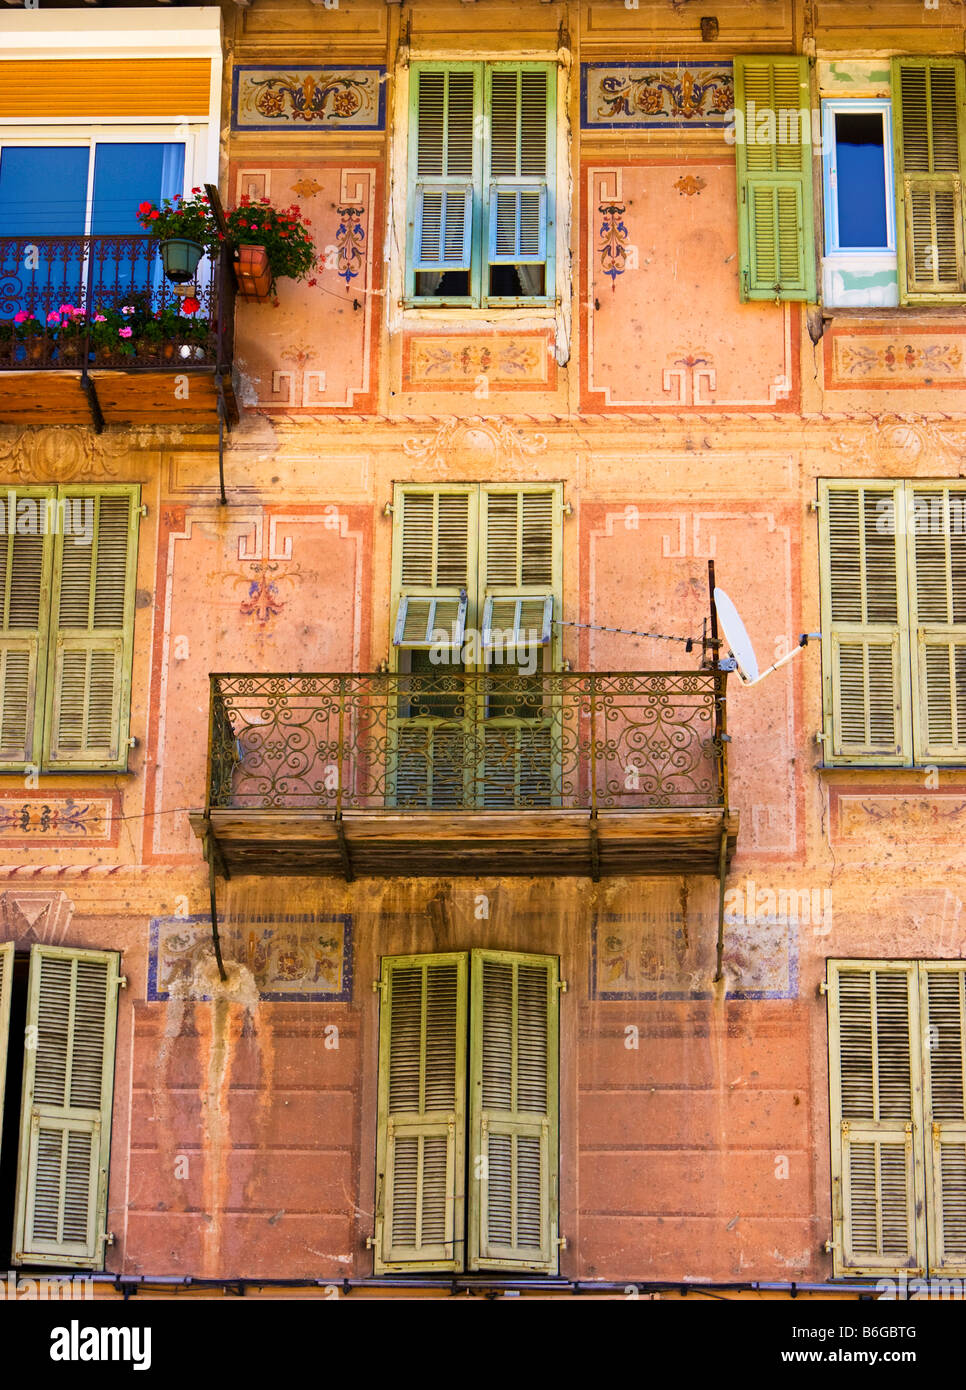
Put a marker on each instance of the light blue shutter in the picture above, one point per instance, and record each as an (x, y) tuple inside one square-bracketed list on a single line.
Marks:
[(520, 165), (443, 152)]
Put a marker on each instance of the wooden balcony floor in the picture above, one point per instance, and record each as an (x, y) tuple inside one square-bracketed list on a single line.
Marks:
[(151, 397), (413, 844)]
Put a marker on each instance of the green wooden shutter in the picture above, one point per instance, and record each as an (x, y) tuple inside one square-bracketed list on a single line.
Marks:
[(65, 1131), (928, 100), (774, 166), (25, 564), (520, 164), (420, 1216), (92, 627), (937, 584), (875, 1070), (444, 160), (513, 1168), (865, 635), (6, 988), (943, 1013)]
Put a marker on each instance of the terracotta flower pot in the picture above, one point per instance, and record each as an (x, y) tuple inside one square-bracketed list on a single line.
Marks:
[(253, 273)]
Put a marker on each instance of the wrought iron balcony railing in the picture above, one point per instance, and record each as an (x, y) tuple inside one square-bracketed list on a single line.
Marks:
[(479, 742), (75, 302)]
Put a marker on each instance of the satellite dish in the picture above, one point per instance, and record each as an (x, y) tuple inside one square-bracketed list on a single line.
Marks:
[(736, 635)]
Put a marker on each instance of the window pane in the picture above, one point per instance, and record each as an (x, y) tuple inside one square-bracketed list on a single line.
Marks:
[(860, 164), (43, 191), (124, 176)]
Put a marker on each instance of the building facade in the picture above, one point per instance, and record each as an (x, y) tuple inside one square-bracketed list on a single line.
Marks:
[(402, 877)]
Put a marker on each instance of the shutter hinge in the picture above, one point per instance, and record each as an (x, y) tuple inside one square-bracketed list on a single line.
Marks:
[(567, 509), (936, 1133), (823, 987), (108, 1237), (829, 1247), (815, 505), (562, 986), (387, 509), (143, 509), (819, 737), (371, 1242), (132, 741), (378, 986), (845, 1129), (562, 1242), (121, 981)]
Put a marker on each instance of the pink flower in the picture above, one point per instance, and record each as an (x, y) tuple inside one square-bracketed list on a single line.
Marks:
[(99, 318), (68, 309), (52, 317), (254, 226), (127, 309), (22, 316), (125, 332)]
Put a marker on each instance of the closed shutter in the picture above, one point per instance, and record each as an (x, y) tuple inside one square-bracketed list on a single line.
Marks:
[(444, 150), (876, 1099), (943, 1013), (937, 564), (865, 648), (435, 539), (928, 102), (88, 701), (420, 1216), (774, 168), (520, 528), (65, 1133), (25, 565), (6, 987), (520, 165), (513, 1122)]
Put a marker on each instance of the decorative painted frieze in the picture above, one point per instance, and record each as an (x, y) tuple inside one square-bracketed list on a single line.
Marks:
[(655, 96), (434, 361), (302, 99), (53, 819), (295, 957)]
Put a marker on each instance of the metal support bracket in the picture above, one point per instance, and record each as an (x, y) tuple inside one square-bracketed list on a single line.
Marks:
[(210, 851), (90, 391), (220, 388), (347, 873), (594, 848)]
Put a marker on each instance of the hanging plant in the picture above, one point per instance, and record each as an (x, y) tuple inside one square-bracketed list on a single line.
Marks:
[(185, 228), (282, 232)]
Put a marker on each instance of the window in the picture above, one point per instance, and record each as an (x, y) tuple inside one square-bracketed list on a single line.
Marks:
[(65, 1000), (893, 559), (897, 1079), (476, 586), (68, 558), (466, 1166), (774, 165), (481, 184), (859, 268), (87, 186)]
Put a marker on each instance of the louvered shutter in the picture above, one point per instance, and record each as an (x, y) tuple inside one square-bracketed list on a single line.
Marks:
[(6, 987), (875, 1072), (943, 1014), (521, 533), (517, 621), (937, 571), (444, 153), (65, 1133), (25, 565), (420, 1216), (928, 99), (865, 646), (513, 1111), (519, 165), (424, 623), (92, 626), (774, 168)]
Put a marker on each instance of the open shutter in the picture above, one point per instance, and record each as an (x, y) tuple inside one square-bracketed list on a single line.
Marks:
[(865, 646), (928, 100), (774, 166), (88, 701), (65, 1129), (519, 165), (25, 564), (444, 154), (937, 566), (875, 1072), (513, 1120), (6, 988), (420, 1214), (514, 622), (943, 1013), (426, 623)]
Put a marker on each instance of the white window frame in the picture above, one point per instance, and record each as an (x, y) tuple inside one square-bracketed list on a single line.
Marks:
[(849, 260)]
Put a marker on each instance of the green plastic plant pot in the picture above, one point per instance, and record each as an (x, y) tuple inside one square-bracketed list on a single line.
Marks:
[(180, 259)]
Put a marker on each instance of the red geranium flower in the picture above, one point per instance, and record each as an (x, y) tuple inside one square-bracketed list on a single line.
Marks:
[(190, 305)]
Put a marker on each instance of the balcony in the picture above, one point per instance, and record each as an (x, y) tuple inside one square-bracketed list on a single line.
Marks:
[(92, 333), (551, 774)]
